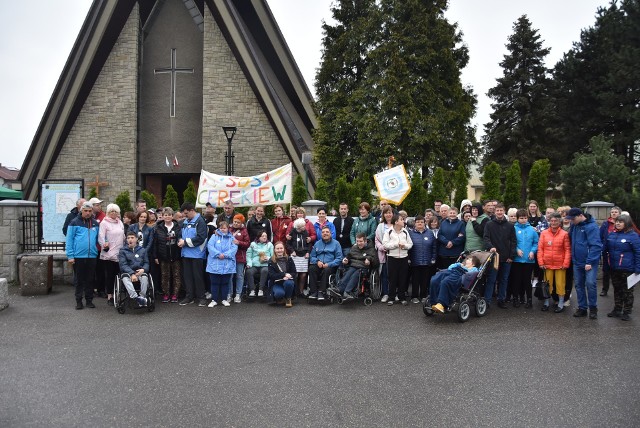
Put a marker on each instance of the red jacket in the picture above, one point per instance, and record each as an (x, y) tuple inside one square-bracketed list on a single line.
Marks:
[(554, 249), (280, 226), (242, 237), (310, 230)]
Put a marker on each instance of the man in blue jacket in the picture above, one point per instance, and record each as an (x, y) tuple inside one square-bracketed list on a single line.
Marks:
[(325, 258), (82, 253), (586, 248), (194, 254)]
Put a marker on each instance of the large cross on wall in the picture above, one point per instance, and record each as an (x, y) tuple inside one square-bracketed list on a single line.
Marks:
[(173, 70)]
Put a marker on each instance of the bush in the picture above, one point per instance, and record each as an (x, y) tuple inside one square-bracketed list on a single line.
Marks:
[(189, 194), (171, 198), (149, 198), (123, 200)]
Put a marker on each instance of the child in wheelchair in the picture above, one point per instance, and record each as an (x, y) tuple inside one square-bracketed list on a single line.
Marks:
[(134, 266), (361, 258), (445, 284)]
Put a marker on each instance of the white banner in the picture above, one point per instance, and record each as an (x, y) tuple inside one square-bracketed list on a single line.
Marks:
[(273, 187), (393, 184)]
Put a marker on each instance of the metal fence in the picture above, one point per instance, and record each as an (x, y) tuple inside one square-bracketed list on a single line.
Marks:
[(31, 235)]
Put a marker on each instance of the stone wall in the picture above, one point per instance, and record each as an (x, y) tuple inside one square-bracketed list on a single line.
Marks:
[(11, 235), (228, 100), (103, 138)]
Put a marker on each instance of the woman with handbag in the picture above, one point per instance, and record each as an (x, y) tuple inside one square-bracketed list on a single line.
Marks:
[(554, 257)]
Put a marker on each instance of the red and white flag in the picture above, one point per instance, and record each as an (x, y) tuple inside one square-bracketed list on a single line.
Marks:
[(175, 161)]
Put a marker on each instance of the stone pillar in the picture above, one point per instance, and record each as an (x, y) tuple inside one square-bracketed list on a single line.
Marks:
[(11, 235), (4, 293)]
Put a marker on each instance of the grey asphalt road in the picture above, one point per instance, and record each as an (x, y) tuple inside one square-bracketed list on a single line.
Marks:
[(256, 365)]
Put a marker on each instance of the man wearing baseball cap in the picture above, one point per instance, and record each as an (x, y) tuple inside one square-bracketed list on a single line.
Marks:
[(98, 214), (586, 248)]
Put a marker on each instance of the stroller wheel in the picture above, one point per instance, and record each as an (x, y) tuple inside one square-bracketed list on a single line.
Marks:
[(368, 301), (426, 308), (464, 312), (481, 307), (121, 309)]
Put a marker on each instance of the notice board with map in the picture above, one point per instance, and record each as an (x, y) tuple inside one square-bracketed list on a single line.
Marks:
[(57, 199)]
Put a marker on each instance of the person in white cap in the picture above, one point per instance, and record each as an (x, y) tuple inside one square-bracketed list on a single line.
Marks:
[(98, 214)]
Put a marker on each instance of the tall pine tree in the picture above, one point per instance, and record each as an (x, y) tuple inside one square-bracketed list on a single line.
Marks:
[(520, 101)]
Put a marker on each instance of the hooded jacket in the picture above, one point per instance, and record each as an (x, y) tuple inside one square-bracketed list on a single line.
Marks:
[(130, 260), (240, 234), (253, 254), (554, 249), (365, 225), (527, 242), (82, 238), (451, 231), (586, 246), (464, 203), (358, 255), (623, 249), (221, 243), (194, 233)]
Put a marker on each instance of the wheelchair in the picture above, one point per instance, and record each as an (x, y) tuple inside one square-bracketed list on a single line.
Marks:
[(368, 287), (121, 297)]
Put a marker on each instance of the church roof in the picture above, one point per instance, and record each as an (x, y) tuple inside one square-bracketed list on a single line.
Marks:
[(252, 34)]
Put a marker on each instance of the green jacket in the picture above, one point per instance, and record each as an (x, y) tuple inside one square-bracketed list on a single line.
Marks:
[(475, 233), (366, 226)]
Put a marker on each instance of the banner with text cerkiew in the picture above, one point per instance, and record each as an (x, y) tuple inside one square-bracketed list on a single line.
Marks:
[(273, 187)]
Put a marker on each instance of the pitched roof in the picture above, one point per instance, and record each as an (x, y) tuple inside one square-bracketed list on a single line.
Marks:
[(252, 34)]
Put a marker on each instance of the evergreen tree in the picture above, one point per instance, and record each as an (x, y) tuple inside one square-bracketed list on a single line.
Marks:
[(460, 184), (513, 184), (345, 193), (189, 194), (438, 190), (362, 188), (171, 198), (539, 181), (491, 181), (416, 201), (520, 98), (322, 191), (299, 194), (93, 193), (596, 176), (149, 198), (123, 200)]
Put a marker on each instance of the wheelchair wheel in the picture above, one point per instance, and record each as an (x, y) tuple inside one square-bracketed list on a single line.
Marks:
[(118, 300), (368, 301), (151, 295), (481, 307), (426, 308), (375, 288), (340, 300), (464, 312)]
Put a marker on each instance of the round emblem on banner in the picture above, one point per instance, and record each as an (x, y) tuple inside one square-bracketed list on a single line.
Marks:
[(392, 183)]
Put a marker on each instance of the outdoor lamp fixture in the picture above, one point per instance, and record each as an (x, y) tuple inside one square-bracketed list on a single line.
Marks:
[(229, 132)]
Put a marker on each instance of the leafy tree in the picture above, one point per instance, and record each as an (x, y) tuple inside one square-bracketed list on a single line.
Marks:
[(512, 186), (93, 193), (322, 191), (520, 103), (299, 194), (171, 198), (491, 181), (416, 202), (539, 181), (438, 190), (149, 198), (599, 175), (189, 194), (460, 184), (123, 200), (345, 193), (362, 189)]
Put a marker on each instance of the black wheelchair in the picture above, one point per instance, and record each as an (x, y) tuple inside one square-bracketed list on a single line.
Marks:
[(367, 289), (121, 298)]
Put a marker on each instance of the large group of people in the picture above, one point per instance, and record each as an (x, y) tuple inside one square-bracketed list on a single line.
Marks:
[(211, 259)]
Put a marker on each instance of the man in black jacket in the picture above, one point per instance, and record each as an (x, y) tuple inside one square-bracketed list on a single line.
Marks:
[(499, 237), (343, 225), (72, 214)]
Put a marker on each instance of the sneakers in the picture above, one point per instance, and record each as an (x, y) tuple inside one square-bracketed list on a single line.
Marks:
[(313, 296), (207, 295), (237, 299), (567, 303), (305, 292), (415, 300), (212, 304), (438, 308), (384, 299), (593, 314), (348, 296), (389, 302), (397, 299), (404, 302), (558, 309), (288, 303), (79, 305), (142, 301), (202, 303), (580, 313), (165, 298), (320, 296), (186, 301), (225, 303), (260, 293), (174, 299), (253, 293), (544, 308)]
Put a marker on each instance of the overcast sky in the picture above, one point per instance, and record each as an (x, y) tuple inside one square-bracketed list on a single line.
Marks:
[(35, 42)]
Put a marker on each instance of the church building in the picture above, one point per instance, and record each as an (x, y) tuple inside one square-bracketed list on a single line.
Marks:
[(149, 86)]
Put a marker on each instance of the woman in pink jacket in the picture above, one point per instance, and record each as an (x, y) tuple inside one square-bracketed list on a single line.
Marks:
[(111, 239)]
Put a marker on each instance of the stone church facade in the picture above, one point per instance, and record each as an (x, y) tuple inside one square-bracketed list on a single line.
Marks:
[(114, 115)]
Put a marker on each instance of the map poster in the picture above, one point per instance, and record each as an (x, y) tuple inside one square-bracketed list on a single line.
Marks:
[(57, 200)]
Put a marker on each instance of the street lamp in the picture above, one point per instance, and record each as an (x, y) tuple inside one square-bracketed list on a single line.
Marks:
[(229, 132), (306, 161)]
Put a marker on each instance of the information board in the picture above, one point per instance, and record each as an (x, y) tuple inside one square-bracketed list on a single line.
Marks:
[(57, 200)]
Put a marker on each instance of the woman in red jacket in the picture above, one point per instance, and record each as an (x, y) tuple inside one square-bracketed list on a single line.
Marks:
[(554, 255), (241, 239), (280, 224)]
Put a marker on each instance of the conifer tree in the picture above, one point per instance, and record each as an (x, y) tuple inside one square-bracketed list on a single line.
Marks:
[(189, 194), (437, 190), (149, 198), (171, 198), (299, 191), (123, 201), (512, 186), (460, 184), (322, 191), (416, 202), (491, 181), (539, 181)]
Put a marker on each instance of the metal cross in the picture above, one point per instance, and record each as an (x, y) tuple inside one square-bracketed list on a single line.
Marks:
[(173, 70)]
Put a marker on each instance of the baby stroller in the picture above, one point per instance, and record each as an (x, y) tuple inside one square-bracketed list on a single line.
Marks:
[(368, 288), (121, 296), (471, 293)]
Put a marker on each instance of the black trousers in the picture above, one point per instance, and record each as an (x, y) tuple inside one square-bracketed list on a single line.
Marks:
[(398, 273), (420, 280), (85, 272), (521, 276), (111, 269), (193, 271), (316, 273)]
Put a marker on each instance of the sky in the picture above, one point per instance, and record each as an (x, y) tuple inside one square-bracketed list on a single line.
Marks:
[(36, 42)]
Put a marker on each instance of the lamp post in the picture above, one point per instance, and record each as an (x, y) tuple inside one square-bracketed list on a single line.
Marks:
[(306, 161), (229, 132)]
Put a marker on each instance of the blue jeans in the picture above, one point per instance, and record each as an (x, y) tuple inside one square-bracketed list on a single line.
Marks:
[(239, 278), (502, 277), (586, 280), (349, 280), (283, 289)]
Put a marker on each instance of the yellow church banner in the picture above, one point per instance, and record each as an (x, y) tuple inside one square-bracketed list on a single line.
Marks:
[(273, 187), (393, 184)]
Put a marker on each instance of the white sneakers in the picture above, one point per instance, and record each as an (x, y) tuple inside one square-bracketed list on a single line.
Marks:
[(384, 299), (260, 293), (207, 295), (237, 299), (212, 304), (253, 293), (225, 303)]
